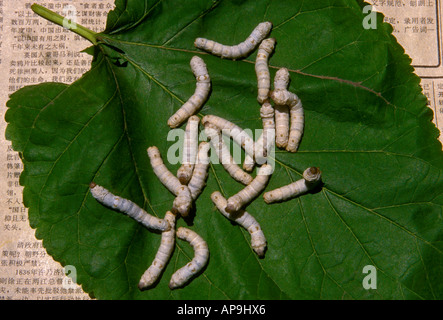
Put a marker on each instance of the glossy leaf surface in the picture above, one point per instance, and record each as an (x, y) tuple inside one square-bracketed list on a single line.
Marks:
[(367, 127)]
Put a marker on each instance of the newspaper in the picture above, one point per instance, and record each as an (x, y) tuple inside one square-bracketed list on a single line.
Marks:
[(33, 51)]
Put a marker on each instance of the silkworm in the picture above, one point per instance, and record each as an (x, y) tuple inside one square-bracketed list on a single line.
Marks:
[(244, 219), (228, 128), (266, 141), (189, 154), (281, 79), (262, 69), (201, 255), (183, 201), (128, 207), (240, 50), (251, 191), (296, 114), (311, 178), (281, 126), (196, 101), (297, 125), (282, 97), (249, 163), (200, 173), (165, 176), (281, 82), (162, 256), (224, 155)]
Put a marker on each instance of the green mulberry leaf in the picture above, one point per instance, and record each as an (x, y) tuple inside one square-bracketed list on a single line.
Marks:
[(367, 127)]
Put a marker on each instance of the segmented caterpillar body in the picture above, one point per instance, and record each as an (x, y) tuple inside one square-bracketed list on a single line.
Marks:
[(228, 128), (266, 141), (201, 255), (200, 95), (251, 191), (183, 201), (282, 97), (240, 50), (262, 69), (297, 126), (200, 173), (224, 155), (244, 219), (165, 176), (281, 79), (281, 82), (249, 163), (311, 178), (128, 207), (163, 254), (296, 116), (189, 154), (281, 125)]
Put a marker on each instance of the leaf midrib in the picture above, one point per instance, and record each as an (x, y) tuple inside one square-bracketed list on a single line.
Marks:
[(356, 84)]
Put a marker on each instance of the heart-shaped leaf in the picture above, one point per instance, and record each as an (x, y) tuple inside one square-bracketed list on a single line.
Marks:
[(367, 127)]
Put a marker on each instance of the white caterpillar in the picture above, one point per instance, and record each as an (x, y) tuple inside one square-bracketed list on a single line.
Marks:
[(266, 141), (281, 79), (200, 95), (163, 254), (189, 154), (128, 207), (297, 125), (241, 50), (311, 178), (224, 155), (183, 200), (281, 125), (201, 255), (262, 69), (165, 176), (282, 97), (200, 173), (228, 128), (251, 191), (244, 219), (281, 82)]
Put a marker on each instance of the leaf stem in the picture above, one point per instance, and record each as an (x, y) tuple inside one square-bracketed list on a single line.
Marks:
[(65, 23)]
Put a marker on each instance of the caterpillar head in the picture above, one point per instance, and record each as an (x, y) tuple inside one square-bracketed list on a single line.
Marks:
[(153, 151), (266, 110), (264, 27), (312, 175), (199, 42), (268, 45), (183, 202), (281, 79)]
